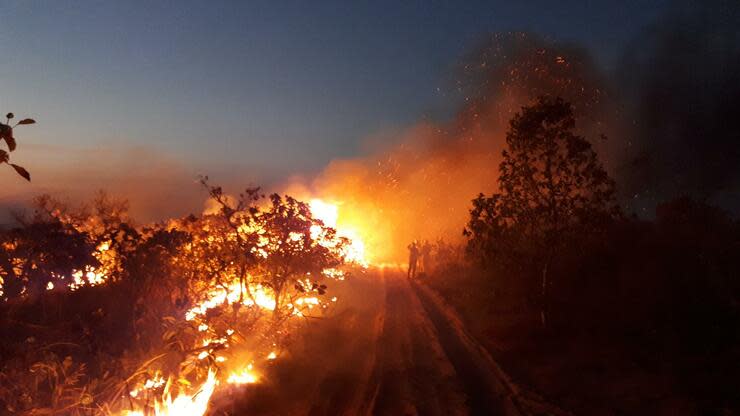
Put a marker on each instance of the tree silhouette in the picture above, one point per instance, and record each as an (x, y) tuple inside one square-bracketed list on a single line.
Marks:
[(552, 188), (6, 133)]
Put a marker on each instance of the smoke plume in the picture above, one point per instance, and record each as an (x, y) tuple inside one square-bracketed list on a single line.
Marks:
[(422, 187)]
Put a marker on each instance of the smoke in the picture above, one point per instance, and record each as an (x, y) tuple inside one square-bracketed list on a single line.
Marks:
[(156, 185), (669, 113), (681, 86), (421, 187)]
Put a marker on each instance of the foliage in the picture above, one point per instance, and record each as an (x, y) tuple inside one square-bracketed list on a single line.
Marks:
[(126, 303), (58, 246), (640, 301), (282, 244), (551, 181), (552, 189), (6, 133)]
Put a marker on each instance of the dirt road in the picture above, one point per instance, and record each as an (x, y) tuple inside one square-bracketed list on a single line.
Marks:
[(390, 348)]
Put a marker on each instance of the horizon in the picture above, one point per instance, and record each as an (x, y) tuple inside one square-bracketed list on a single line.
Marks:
[(244, 93)]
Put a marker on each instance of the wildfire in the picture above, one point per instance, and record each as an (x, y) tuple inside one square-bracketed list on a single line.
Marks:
[(218, 346), (241, 369)]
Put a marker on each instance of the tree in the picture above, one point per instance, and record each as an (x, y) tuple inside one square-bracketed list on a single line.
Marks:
[(58, 242), (41, 253), (6, 133), (552, 188), (280, 246), (298, 249)]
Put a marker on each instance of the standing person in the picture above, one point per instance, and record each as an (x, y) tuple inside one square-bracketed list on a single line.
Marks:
[(413, 259), (425, 252)]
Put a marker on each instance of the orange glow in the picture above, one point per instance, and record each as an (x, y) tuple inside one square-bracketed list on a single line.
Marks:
[(329, 214), (238, 369), (244, 376), (184, 404)]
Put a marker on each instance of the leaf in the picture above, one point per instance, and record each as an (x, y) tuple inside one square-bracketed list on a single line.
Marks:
[(11, 141), (6, 132), (21, 171), (27, 121)]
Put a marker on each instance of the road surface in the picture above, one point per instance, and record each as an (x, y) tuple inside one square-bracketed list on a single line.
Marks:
[(390, 348)]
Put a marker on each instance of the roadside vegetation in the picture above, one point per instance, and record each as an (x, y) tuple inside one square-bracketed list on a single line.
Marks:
[(100, 315), (600, 312)]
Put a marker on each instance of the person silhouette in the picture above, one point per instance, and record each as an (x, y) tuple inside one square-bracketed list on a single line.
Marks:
[(413, 259), (425, 252)]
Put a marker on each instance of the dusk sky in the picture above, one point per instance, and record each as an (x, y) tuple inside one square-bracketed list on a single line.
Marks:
[(254, 87)]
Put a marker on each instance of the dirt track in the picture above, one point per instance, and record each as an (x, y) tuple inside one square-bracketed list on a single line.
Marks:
[(390, 348)]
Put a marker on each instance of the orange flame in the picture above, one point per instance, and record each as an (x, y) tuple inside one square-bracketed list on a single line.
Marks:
[(329, 214), (184, 404)]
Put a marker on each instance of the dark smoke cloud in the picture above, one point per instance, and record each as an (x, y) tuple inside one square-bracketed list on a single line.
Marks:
[(680, 81)]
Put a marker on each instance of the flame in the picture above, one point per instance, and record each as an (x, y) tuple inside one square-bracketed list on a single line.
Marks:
[(91, 276), (245, 376), (329, 214), (213, 345), (239, 368), (260, 296), (184, 404)]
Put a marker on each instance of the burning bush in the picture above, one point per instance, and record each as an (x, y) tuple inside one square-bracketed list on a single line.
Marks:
[(106, 317)]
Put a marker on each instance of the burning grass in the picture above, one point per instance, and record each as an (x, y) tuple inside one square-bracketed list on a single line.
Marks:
[(103, 317)]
